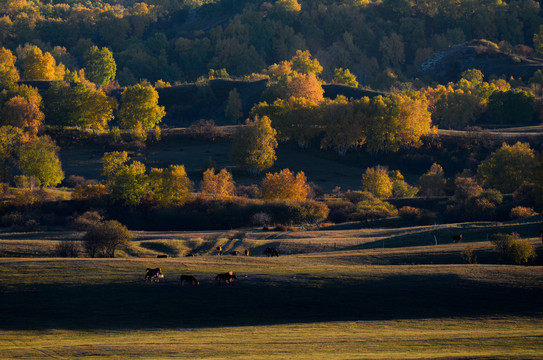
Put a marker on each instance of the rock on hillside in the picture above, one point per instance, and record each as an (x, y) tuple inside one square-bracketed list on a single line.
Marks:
[(448, 65)]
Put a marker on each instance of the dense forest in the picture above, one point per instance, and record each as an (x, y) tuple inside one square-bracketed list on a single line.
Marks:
[(109, 74)]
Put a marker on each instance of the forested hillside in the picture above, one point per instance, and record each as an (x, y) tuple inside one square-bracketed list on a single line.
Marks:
[(381, 42)]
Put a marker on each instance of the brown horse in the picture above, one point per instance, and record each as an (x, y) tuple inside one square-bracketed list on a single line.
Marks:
[(457, 238), (541, 234), (246, 252), (162, 256), (228, 277), (190, 279), (219, 250), (153, 274), (234, 253)]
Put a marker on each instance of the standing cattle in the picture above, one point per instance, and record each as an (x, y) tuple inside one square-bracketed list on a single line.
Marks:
[(162, 256), (219, 250), (271, 252), (457, 238), (228, 277), (246, 252), (234, 253), (190, 279), (153, 274)]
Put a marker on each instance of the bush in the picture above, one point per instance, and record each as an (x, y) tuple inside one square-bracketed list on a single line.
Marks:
[(467, 255), (374, 208), (67, 249), (87, 220), (340, 210), (104, 238), (520, 212), (514, 249), (261, 219)]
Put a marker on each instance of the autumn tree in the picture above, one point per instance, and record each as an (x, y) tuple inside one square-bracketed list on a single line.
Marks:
[(377, 181), (432, 183), (100, 67), (218, 186), (11, 139), (400, 188), (233, 110), (284, 185), (8, 72), (39, 159), (40, 66), (171, 186), (305, 86), (344, 76), (508, 167), (139, 110), (24, 114), (254, 145), (128, 183)]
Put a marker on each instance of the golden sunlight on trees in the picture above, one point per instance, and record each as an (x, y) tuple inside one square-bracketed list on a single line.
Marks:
[(218, 186), (40, 66), (376, 181), (24, 114), (11, 138), (345, 77), (284, 186), (171, 186), (254, 145), (508, 167), (304, 64), (139, 110), (8, 72), (39, 159), (306, 86)]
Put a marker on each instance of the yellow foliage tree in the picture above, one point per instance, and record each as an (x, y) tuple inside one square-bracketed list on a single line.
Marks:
[(24, 114), (171, 186), (284, 186), (377, 181), (8, 72), (40, 66), (218, 186)]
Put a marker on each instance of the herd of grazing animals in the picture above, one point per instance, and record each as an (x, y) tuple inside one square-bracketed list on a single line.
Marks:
[(156, 274)]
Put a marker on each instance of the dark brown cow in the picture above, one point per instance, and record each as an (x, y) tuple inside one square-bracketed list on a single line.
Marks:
[(161, 256), (190, 279), (189, 255), (153, 274), (271, 252), (234, 253), (219, 250), (457, 238), (228, 277), (246, 252)]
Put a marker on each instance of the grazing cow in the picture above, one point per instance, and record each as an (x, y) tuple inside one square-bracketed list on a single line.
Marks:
[(190, 279), (228, 277), (189, 254), (153, 274), (457, 238), (246, 252), (234, 253), (271, 252), (219, 250), (161, 256)]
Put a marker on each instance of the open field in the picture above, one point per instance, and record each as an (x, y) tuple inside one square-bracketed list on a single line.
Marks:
[(315, 305)]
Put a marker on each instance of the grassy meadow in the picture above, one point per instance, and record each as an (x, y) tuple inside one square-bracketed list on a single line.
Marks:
[(348, 303)]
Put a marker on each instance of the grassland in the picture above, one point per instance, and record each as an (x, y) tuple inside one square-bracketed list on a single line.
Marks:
[(332, 304)]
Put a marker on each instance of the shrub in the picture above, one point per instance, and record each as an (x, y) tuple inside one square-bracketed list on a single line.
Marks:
[(67, 249), (514, 249), (87, 220), (261, 219), (374, 208), (105, 238), (340, 210), (467, 255), (520, 212)]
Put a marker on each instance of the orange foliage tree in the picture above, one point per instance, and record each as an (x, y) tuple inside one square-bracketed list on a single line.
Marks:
[(218, 186), (284, 186)]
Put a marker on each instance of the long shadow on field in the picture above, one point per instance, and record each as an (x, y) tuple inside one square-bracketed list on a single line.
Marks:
[(257, 301)]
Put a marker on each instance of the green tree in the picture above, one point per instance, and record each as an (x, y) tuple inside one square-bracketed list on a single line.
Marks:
[(100, 67), (254, 145), (303, 63), (39, 159), (342, 76), (130, 184), (233, 110), (508, 167), (8, 72), (432, 183), (538, 40), (139, 109), (514, 106), (377, 181)]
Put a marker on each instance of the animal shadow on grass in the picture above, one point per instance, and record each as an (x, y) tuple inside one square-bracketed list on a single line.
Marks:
[(134, 305)]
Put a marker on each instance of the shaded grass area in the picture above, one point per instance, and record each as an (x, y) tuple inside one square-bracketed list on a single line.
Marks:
[(111, 294)]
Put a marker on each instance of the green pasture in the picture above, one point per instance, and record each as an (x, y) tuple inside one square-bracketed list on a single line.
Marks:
[(311, 306)]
